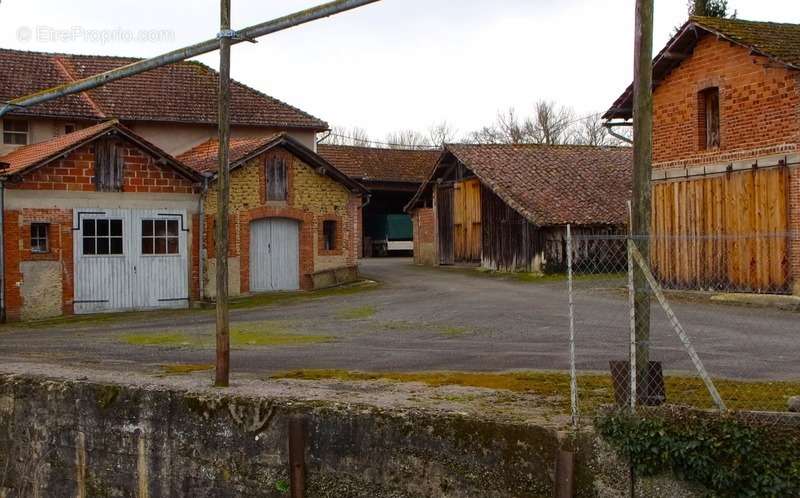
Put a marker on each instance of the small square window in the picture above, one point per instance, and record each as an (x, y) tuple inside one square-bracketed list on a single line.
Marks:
[(160, 237), (329, 235), (102, 237), (39, 242)]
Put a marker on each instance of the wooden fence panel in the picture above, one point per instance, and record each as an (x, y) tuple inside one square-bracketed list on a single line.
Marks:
[(723, 232)]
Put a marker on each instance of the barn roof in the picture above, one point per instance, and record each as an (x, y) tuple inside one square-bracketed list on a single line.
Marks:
[(29, 157), (204, 157), (550, 185), (777, 41), (381, 165), (184, 92)]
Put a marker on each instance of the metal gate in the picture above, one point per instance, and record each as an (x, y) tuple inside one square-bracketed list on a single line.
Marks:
[(274, 255), (130, 260)]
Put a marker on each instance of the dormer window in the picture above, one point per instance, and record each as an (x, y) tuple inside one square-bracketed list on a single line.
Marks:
[(15, 132), (708, 107)]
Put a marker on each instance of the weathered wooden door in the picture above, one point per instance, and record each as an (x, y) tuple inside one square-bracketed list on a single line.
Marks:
[(445, 227), (129, 259), (274, 255), (467, 221), (161, 266)]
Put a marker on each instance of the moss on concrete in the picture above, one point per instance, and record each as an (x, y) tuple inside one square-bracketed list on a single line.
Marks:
[(185, 368)]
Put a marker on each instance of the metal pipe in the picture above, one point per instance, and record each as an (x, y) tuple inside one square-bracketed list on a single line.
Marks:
[(246, 34), (610, 128)]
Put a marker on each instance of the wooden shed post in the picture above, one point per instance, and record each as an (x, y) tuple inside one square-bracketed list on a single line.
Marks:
[(642, 166)]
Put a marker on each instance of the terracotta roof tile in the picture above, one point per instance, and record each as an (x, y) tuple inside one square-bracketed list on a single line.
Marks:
[(555, 185), (384, 165), (30, 155), (183, 92)]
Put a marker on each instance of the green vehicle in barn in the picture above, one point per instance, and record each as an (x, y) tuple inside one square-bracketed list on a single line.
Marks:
[(387, 234)]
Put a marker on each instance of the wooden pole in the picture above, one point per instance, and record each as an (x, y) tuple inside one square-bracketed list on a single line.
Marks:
[(223, 192), (642, 166)]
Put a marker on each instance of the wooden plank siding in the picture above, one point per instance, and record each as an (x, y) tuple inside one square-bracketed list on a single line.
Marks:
[(467, 220), (510, 242), (444, 222), (723, 232)]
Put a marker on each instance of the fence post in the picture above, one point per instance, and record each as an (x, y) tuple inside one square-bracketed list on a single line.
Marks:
[(632, 309), (573, 379)]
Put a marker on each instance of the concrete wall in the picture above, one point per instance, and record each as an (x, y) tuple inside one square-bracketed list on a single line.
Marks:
[(81, 439)]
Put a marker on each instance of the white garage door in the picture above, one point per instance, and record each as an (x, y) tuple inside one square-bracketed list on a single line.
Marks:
[(274, 255), (129, 259)]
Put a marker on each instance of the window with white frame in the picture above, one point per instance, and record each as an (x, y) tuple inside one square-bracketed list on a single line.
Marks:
[(15, 132), (102, 237), (160, 237), (39, 238)]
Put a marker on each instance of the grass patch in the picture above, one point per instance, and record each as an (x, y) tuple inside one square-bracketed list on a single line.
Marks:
[(278, 298), (452, 330), (360, 313), (185, 369), (274, 333), (595, 389)]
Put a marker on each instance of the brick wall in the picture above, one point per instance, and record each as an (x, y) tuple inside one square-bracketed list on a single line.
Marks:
[(76, 173), (759, 105), (424, 249), (312, 199)]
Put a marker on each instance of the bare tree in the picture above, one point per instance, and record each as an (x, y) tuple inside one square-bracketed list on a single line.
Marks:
[(551, 123), (407, 139), (342, 135), (441, 133), (485, 135)]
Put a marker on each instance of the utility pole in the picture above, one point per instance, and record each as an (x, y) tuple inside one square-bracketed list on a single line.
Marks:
[(642, 165), (222, 378)]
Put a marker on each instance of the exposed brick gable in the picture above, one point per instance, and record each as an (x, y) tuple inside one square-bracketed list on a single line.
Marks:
[(76, 173), (759, 103)]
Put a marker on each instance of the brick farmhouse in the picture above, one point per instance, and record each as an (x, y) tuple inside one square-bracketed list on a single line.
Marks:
[(109, 195), (726, 182), (506, 206)]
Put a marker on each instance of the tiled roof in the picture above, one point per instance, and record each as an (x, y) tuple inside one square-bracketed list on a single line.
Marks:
[(382, 165), (555, 185), (184, 92), (776, 41), (204, 157), (30, 156)]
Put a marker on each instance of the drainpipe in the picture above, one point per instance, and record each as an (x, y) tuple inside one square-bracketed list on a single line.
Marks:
[(201, 251), (610, 127), (2, 251)]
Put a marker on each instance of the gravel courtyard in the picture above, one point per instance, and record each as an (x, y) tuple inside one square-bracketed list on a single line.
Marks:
[(420, 319)]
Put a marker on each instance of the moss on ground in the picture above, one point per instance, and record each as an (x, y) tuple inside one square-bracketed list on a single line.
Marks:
[(360, 313), (185, 368), (269, 333), (595, 389)]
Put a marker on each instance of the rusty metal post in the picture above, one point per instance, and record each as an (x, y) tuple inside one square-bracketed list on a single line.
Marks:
[(223, 193), (204, 47), (297, 457)]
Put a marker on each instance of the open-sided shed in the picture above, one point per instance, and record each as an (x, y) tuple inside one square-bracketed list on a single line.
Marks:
[(506, 206)]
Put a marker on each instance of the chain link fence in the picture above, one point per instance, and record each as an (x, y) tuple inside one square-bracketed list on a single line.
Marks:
[(721, 333)]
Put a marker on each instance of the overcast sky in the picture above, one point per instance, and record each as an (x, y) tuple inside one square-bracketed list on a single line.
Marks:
[(391, 65)]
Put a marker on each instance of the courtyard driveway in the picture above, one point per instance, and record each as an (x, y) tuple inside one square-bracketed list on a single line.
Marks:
[(423, 319)]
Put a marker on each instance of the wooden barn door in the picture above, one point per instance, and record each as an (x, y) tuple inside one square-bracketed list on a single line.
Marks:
[(723, 232), (467, 221), (444, 214)]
